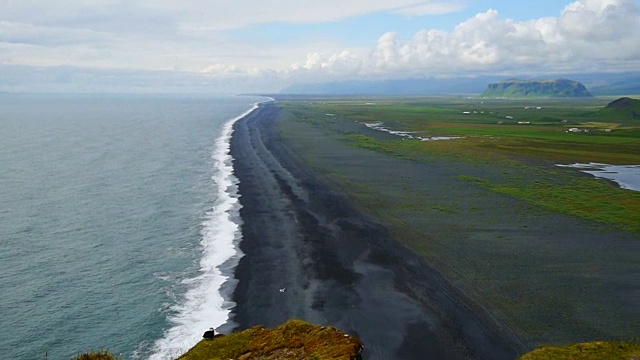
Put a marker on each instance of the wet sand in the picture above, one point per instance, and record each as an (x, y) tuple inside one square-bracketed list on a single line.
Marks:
[(309, 254)]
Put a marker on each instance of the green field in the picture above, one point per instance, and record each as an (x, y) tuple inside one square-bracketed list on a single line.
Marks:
[(495, 124)]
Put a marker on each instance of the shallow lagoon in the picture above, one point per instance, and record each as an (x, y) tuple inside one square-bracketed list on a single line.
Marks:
[(626, 176), (406, 134)]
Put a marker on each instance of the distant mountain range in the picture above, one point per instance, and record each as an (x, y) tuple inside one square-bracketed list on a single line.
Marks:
[(596, 83), (536, 88)]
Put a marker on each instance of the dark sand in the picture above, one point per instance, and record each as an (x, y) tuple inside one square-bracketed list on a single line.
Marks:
[(309, 254)]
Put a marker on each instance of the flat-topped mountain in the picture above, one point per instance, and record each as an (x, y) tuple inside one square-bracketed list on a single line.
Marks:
[(536, 88)]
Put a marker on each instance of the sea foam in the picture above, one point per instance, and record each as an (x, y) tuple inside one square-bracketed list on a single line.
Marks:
[(207, 303)]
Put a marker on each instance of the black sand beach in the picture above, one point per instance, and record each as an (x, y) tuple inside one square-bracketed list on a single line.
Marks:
[(309, 254)]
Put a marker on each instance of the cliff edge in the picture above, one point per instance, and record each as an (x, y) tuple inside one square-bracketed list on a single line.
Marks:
[(295, 340)]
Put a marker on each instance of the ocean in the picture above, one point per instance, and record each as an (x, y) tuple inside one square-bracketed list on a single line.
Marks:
[(119, 223)]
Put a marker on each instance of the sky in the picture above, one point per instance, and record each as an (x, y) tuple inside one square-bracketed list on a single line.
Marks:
[(223, 46)]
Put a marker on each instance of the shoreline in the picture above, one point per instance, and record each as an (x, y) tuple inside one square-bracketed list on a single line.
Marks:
[(309, 254)]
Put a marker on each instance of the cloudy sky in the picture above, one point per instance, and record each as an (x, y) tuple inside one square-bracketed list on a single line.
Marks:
[(251, 45)]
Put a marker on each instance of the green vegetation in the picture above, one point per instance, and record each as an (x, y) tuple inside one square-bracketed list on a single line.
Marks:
[(97, 355), (532, 88), (582, 197), (293, 340), (587, 351)]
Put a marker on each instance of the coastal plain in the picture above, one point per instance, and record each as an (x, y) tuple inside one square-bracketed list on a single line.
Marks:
[(470, 248)]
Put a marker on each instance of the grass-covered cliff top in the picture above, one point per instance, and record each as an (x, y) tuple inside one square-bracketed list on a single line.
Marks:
[(597, 350), (293, 340)]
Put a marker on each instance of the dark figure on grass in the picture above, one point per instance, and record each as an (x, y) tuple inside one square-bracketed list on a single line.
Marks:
[(209, 334)]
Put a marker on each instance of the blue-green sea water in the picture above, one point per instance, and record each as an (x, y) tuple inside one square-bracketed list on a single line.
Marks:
[(118, 223)]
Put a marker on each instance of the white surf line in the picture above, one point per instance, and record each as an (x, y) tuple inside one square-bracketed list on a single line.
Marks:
[(204, 305)]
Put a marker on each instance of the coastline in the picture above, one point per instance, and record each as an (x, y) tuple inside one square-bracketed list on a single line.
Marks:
[(309, 254)]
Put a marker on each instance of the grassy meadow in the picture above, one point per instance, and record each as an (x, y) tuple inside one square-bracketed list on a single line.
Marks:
[(549, 252)]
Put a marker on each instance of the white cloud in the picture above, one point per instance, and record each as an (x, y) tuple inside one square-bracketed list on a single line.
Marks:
[(24, 33), (233, 72), (430, 8), (589, 35), (163, 36), (234, 14), (210, 14)]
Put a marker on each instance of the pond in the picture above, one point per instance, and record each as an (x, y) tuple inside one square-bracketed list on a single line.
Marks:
[(407, 134), (626, 176)]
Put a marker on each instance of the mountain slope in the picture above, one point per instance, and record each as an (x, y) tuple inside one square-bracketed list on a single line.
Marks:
[(622, 109)]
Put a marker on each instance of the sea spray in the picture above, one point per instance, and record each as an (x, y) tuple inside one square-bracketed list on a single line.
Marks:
[(207, 303)]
